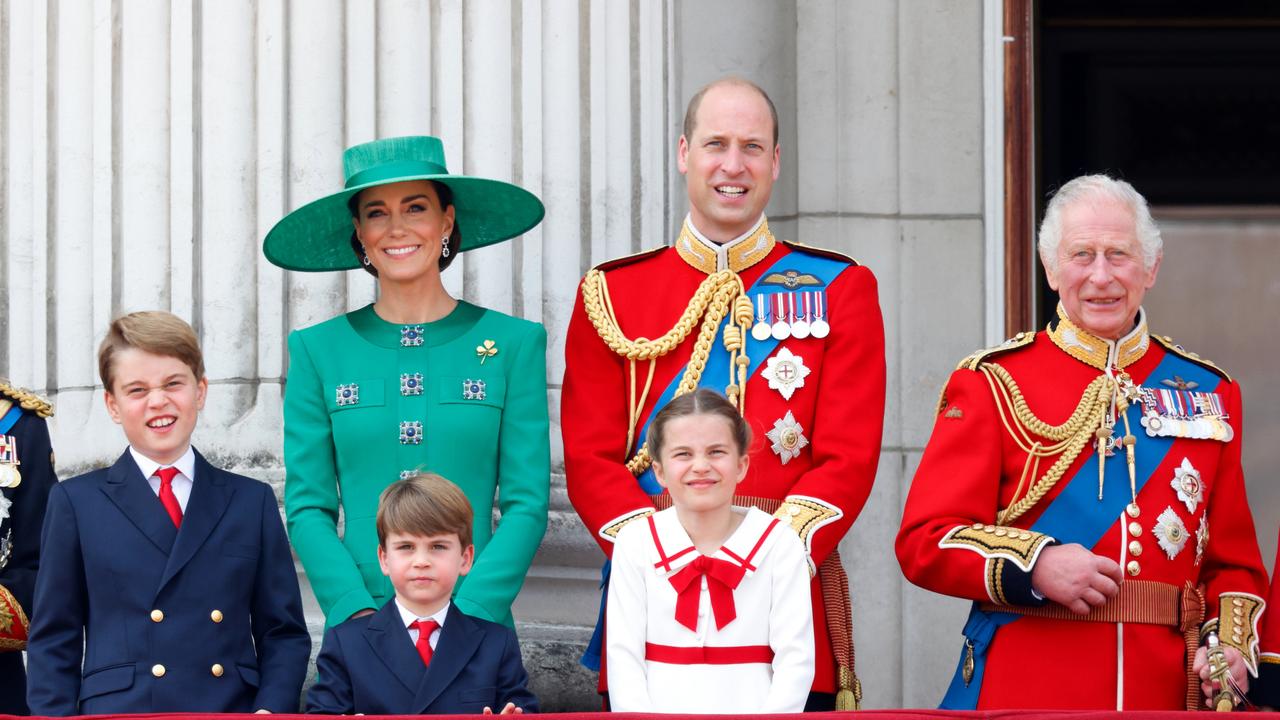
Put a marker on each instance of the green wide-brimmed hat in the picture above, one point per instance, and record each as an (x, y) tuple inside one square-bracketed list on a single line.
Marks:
[(317, 236)]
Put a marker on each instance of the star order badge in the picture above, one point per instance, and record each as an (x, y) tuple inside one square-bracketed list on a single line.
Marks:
[(787, 437), (785, 372), (1186, 482), (1170, 533), (9, 475)]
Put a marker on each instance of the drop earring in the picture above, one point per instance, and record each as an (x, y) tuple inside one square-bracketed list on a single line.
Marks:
[(444, 246), (364, 256)]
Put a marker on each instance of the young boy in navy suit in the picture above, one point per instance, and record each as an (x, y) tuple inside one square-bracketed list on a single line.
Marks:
[(419, 654), (165, 584)]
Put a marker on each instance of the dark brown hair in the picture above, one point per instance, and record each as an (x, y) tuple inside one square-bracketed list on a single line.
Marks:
[(699, 402), (424, 504), (153, 331), (455, 236), (691, 112)]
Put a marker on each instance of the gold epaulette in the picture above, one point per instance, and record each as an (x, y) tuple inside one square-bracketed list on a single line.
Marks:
[(822, 252), (972, 362), (1168, 344), (26, 399), (628, 259)]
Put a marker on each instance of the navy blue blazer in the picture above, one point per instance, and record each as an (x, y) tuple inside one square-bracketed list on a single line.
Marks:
[(20, 541), (203, 619), (369, 665)]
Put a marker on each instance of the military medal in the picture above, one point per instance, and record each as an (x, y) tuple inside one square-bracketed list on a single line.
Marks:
[(9, 475), (800, 321), (787, 437), (1202, 537), (781, 329), (1186, 482), (761, 331), (785, 372), (1170, 533), (819, 327)]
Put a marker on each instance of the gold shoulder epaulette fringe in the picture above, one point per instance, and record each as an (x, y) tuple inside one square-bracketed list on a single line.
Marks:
[(1168, 344), (628, 259), (823, 252), (972, 362), (26, 399)]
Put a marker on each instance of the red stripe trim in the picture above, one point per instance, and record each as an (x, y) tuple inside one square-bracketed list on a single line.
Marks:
[(728, 655), (663, 561)]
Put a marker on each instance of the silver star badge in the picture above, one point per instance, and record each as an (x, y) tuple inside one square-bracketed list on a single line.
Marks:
[(1170, 533), (4, 507), (1186, 482), (785, 372), (787, 437)]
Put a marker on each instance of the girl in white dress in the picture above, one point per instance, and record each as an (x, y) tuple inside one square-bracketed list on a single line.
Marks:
[(708, 608)]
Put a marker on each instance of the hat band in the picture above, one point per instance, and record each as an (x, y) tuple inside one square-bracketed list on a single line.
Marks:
[(397, 169)]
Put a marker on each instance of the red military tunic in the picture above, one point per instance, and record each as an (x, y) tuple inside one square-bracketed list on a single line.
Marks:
[(1187, 522), (822, 461)]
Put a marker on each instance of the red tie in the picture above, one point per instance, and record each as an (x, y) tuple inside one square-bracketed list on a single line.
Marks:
[(425, 628), (167, 498)]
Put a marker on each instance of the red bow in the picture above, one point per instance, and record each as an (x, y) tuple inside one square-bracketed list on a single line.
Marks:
[(722, 578)]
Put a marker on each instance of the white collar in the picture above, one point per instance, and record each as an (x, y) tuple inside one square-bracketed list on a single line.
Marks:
[(680, 551), (185, 464), (408, 618)]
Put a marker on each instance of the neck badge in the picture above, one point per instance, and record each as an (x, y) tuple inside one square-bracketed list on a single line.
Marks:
[(9, 475), (785, 372)]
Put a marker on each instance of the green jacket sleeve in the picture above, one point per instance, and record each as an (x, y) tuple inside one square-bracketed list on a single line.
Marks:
[(311, 492), (524, 476)]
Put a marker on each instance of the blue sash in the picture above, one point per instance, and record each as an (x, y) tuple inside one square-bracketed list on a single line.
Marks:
[(10, 419), (714, 376), (1077, 516)]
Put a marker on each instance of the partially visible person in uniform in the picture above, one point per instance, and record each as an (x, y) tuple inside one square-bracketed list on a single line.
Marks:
[(166, 584), (418, 380), (708, 606), (791, 334), (26, 476), (1083, 487), (1266, 690)]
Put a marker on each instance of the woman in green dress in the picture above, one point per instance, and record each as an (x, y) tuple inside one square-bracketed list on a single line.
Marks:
[(418, 380)]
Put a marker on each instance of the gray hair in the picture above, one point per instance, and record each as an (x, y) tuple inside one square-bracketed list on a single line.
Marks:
[(1101, 187)]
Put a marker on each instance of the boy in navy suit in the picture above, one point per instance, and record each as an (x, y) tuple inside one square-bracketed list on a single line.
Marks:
[(165, 584), (419, 654)]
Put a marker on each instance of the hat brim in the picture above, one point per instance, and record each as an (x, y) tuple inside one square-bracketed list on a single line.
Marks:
[(316, 237)]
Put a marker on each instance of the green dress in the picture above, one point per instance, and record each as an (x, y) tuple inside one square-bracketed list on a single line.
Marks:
[(368, 400)]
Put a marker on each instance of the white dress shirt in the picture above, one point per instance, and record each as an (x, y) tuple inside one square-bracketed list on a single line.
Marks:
[(409, 618), (181, 482)]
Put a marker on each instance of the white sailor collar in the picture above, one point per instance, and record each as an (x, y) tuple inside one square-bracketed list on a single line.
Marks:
[(746, 547)]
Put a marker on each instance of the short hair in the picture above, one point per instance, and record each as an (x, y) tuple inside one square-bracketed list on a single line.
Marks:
[(455, 236), (691, 112), (424, 504), (154, 331), (699, 402), (1100, 187)]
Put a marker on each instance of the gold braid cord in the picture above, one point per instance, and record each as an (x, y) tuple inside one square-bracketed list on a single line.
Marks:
[(717, 296), (1067, 439)]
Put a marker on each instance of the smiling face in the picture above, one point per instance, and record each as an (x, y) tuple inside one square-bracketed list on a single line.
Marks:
[(700, 463), (730, 162), (401, 226), (156, 399), (1100, 276), (424, 568)]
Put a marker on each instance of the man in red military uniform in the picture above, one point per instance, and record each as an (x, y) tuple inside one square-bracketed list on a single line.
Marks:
[(1266, 691), (1117, 574), (793, 335)]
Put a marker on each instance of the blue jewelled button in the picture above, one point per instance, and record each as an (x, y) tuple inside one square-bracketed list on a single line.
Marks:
[(410, 432), (348, 394), (410, 384)]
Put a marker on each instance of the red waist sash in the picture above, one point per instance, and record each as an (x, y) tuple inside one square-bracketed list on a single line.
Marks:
[(728, 655)]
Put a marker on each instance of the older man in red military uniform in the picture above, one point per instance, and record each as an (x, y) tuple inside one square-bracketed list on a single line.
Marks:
[(1083, 486), (793, 335)]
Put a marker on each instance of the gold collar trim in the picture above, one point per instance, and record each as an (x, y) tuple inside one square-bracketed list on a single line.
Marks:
[(736, 255), (1099, 352)]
